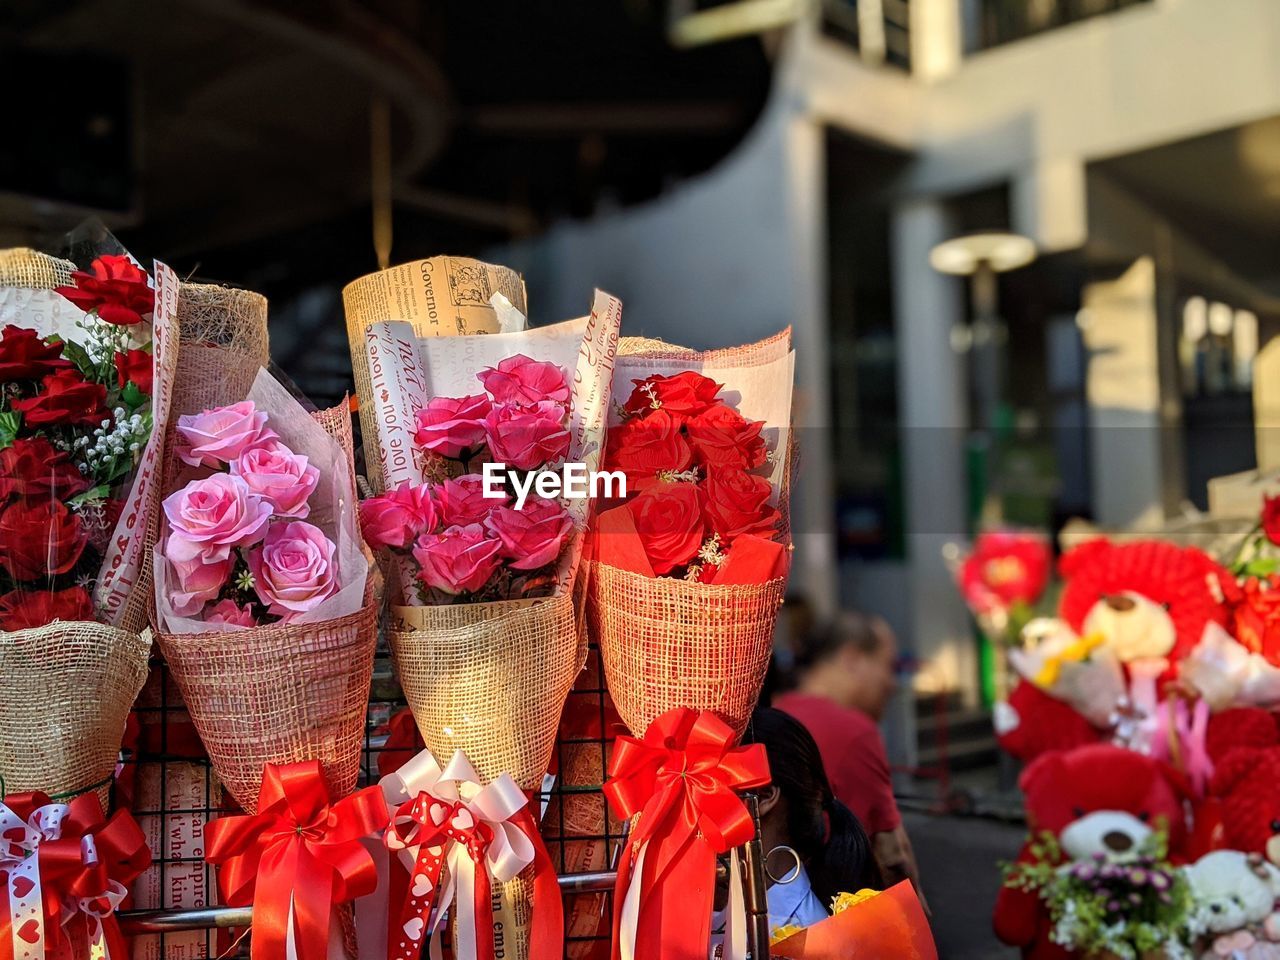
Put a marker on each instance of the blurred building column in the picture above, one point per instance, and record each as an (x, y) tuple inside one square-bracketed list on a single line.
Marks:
[(933, 409), (937, 38)]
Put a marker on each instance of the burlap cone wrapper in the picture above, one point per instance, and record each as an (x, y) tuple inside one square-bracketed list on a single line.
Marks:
[(67, 692), (278, 694), (223, 333), (491, 679), (669, 643)]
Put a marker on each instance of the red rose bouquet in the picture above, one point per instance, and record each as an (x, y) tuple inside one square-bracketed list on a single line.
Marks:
[(687, 574), (463, 435), (85, 366), (262, 607)]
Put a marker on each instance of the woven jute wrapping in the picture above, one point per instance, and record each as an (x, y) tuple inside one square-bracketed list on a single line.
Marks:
[(278, 694), (669, 643), (24, 267), (223, 336), (68, 688), (491, 679)]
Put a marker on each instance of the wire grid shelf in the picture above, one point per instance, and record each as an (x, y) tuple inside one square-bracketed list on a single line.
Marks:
[(171, 789)]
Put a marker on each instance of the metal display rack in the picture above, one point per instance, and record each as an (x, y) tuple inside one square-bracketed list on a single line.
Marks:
[(171, 930)]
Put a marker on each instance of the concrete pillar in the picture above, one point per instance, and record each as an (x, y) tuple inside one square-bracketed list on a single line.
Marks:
[(1050, 204), (937, 38), (933, 410)]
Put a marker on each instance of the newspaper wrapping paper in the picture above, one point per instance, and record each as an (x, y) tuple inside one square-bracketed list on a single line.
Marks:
[(492, 679), (437, 297), (667, 643), (122, 587)]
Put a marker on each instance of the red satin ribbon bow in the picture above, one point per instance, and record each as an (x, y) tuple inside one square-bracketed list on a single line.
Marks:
[(83, 859), (298, 849), (681, 778)]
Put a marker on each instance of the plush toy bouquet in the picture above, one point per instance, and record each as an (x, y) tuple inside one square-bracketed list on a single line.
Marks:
[(1001, 578), (476, 431)]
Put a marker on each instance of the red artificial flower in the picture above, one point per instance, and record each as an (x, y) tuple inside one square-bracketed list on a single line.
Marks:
[(684, 395), (31, 468), (720, 435), (1271, 518), (737, 502), (644, 447), (1005, 568), (134, 367), (65, 398), (39, 540), (24, 355), (1256, 617), (117, 288), (22, 609), (668, 519)]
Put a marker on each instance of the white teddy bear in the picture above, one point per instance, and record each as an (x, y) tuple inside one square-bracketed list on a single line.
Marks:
[(1233, 902)]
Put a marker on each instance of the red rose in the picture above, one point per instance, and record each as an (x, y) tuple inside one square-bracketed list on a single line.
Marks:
[(21, 610), (34, 470), (644, 447), (134, 367), (25, 356), (38, 540), (1271, 518), (117, 288), (737, 502), (721, 436), (65, 398), (1005, 568), (668, 518), (684, 395)]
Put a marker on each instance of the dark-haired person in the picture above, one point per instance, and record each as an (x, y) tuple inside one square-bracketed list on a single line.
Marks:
[(845, 677), (814, 846)]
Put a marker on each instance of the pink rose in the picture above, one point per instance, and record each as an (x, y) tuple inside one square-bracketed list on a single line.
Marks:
[(462, 502), (197, 584), (459, 560), (451, 426), (227, 613), (219, 436), (278, 475), (398, 517), (211, 516), (294, 570), (532, 537), (526, 437), (520, 379)]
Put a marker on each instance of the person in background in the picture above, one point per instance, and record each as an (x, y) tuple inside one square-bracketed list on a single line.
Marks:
[(845, 678), (814, 846)]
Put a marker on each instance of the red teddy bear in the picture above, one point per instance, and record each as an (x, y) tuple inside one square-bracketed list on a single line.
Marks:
[(1150, 599), (1245, 747), (1098, 798)]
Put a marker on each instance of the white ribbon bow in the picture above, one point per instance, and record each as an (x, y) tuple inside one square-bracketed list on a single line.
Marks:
[(493, 804)]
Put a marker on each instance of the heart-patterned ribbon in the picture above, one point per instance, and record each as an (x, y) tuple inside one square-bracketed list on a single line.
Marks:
[(296, 858), (66, 869), (481, 832), (682, 780)]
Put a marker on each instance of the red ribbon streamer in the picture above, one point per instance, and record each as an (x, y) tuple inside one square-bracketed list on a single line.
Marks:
[(681, 778), (546, 934), (297, 849), (122, 856)]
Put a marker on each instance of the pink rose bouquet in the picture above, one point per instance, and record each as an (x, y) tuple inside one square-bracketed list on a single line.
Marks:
[(262, 605)]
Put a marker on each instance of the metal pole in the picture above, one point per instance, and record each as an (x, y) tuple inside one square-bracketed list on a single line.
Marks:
[(757, 899)]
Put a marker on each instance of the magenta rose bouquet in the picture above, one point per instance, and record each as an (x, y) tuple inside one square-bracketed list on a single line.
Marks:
[(463, 539)]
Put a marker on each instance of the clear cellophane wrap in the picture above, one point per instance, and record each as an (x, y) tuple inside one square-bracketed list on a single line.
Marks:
[(667, 642)]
